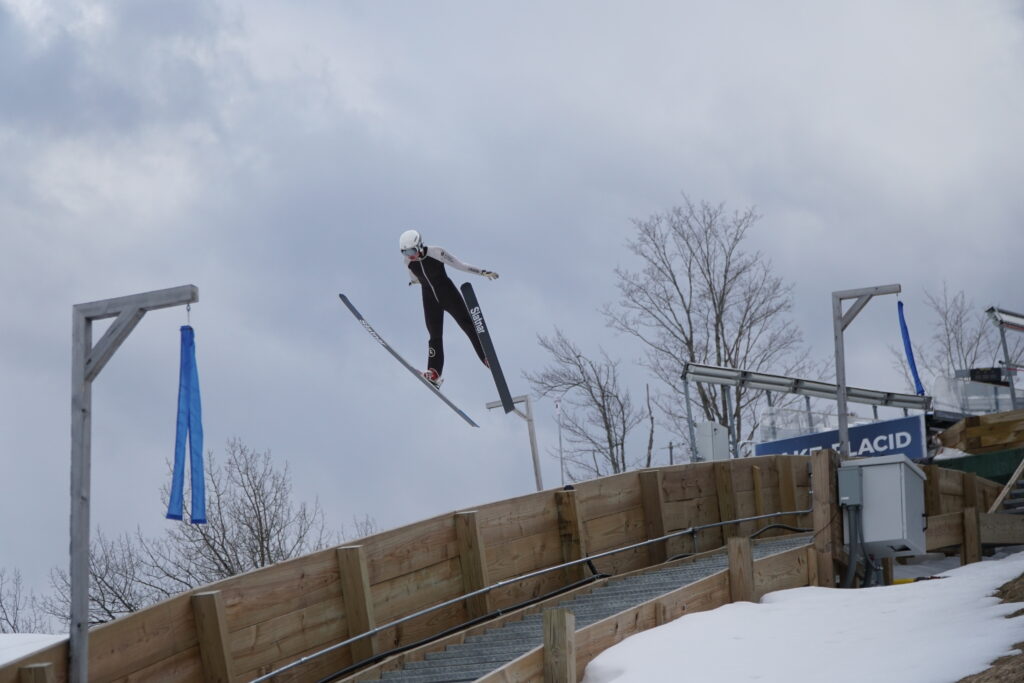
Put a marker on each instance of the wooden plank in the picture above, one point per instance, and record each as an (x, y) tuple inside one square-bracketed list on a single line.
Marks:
[(654, 513), (1002, 529), (279, 589), (781, 571), (609, 495), (723, 488), (515, 518), (473, 562), (1010, 484), (689, 482), (758, 492), (787, 490), (741, 570), (282, 638), (822, 474), (944, 531), (932, 491), (121, 647), (357, 599), (523, 555), (212, 629), (407, 550), (614, 531), (186, 665), (970, 492), (412, 592), (570, 534), (559, 646), (970, 550), (43, 673)]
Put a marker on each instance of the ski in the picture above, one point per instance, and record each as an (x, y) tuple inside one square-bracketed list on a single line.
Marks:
[(414, 371), (485, 340)]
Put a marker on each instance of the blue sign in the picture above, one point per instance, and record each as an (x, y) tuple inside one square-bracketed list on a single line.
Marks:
[(904, 435)]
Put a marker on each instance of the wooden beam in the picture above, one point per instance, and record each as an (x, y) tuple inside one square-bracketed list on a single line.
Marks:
[(972, 498), (998, 502), (355, 593), (212, 631), (474, 563), (1002, 529), (741, 570), (823, 502), (726, 501), (755, 473), (932, 491), (570, 533), (970, 549), (654, 513), (787, 490), (944, 531), (36, 673), (559, 646)]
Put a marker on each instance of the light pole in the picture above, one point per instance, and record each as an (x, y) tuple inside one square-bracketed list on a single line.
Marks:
[(528, 416), (840, 321)]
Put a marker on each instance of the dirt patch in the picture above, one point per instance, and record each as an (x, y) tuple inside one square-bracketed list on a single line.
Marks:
[(1009, 669)]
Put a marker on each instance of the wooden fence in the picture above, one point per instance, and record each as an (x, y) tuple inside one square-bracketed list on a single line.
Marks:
[(245, 626)]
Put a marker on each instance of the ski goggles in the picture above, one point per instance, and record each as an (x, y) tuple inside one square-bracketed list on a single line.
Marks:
[(411, 251)]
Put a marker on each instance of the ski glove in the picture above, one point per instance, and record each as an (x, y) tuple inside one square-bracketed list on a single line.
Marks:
[(489, 274)]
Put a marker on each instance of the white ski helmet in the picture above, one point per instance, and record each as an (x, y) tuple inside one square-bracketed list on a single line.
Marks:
[(410, 242)]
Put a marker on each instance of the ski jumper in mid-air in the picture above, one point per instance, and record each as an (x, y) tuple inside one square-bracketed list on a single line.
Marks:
[(426, 267)]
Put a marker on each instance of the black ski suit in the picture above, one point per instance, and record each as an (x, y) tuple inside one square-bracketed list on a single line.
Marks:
[(439, 295)]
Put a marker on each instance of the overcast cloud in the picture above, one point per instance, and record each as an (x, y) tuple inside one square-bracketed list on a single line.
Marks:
[(271, 154)]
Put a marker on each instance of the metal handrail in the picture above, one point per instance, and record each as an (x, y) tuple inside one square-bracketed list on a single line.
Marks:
[(374, 631)]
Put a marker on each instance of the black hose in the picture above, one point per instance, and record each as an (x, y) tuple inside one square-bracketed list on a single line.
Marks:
[(853, 522)]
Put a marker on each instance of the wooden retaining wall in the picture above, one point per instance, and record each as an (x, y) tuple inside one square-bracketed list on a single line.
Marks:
[(242, 627)]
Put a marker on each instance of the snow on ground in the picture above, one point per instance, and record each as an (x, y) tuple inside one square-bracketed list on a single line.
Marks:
[(16, 645), (923, 632)]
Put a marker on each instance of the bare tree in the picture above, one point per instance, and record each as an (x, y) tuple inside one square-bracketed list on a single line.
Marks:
[(699, 296), (20, 610), (597, 412), (253, 522), (962, 337)]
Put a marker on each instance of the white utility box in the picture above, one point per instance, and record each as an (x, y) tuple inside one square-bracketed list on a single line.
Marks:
[(712, 441), (892, 495)]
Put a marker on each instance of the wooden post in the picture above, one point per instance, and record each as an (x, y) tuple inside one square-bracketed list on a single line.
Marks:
[(654, 513), (559, 646), (970, 550), (474, 563), (887, 571), (212, 631), (970, 489), (726, 504), (823, 501), (36, 673), (787, 490), (355, 593), (755, 472), (741, 570), (932, 491), (86, 363), (570, 532)]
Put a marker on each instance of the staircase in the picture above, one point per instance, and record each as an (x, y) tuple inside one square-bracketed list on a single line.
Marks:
[(482, 654), (1014, 500)]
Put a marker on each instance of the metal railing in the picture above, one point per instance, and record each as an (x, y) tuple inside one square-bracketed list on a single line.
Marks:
[(693, 530)]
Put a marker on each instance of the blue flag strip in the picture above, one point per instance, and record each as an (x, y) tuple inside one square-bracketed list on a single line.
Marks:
[(190, 428), (918, 387)]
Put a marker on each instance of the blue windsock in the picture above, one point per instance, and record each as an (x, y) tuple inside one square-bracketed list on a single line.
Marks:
[(190, 427), (910, 351)]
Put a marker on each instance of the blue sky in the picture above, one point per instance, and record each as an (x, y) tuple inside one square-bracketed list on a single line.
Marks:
[(271, 155)]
